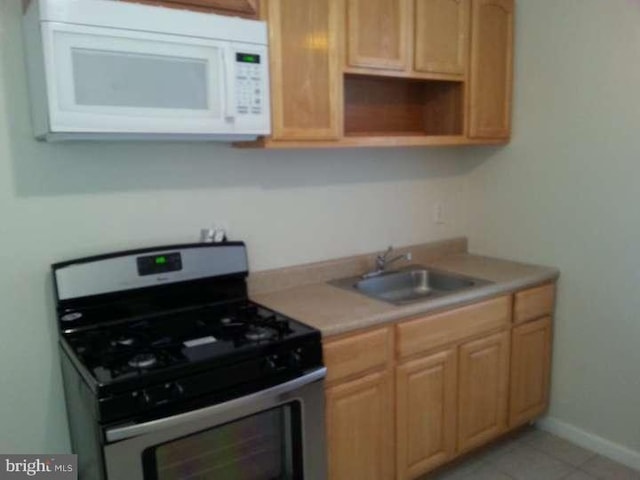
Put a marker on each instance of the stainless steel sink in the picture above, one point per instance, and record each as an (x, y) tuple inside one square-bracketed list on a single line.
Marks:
[(409, 285)]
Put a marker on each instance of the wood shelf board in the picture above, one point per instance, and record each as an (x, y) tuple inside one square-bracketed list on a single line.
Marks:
[(407, 75), (377, 141)]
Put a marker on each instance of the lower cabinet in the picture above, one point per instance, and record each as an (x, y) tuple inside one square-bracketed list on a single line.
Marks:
[(483, 390), (404, 399), (450, 402), (426, 413), (360, 428), (530, 367)]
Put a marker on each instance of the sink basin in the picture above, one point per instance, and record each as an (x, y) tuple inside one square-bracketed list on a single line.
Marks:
[(409, 285)]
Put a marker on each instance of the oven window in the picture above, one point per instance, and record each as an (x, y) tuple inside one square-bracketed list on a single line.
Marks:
[(265, 446)]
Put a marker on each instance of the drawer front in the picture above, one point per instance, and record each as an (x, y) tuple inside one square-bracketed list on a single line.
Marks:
[(358, 353), (534, 303), (423, 334)]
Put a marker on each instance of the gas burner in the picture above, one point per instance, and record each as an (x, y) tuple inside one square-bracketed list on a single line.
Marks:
[(143, 360), (124, 341), (70, 317), (255, 334)]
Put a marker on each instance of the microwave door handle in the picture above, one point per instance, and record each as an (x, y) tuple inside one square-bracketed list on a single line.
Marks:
[(229, 80)]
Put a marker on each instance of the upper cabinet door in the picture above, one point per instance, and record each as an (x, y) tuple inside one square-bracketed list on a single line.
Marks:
[(242, 8), (377, 34), (441, 36), (305, 80), (491, 68)]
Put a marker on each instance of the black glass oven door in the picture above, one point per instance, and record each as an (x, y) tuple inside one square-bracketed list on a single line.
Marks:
[(264, 446), (273, 434)]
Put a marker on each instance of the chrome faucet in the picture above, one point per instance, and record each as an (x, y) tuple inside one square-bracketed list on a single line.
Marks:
[(383, 261)]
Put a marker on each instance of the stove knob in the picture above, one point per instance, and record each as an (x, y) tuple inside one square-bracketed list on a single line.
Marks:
[(295, 359), (157, 396), (271, 363), (281, 325), (145, 399), (176, 389)]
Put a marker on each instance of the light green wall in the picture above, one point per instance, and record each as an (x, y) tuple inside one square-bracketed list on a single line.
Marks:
[(565, 193), (67, 200)]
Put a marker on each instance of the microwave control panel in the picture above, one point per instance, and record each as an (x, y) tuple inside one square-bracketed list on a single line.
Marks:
[(250, 84)]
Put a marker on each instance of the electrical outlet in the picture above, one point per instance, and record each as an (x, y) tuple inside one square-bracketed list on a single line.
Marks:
[(439, 213)]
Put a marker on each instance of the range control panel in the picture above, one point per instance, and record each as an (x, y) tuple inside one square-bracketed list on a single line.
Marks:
[(250, 71)]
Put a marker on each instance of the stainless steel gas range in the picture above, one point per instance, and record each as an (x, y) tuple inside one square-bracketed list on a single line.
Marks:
[(171, 372)]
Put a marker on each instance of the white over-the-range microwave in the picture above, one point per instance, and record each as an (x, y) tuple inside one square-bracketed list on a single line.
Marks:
[(106, 69)]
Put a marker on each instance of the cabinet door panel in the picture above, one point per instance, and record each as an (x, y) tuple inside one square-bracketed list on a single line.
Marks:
[(376, 34), (426, 413), (491, 68), (441, 36), (483, 390), (530, 365), (305, 86), (360, 428)]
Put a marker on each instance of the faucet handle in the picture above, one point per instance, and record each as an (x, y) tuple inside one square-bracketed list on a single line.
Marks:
[(381, 258)]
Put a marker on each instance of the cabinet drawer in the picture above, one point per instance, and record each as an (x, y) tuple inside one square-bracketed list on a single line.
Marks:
[(423, 334), (357, 353), (534, 303)]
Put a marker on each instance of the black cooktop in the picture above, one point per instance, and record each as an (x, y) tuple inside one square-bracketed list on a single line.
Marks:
[(202, 335)]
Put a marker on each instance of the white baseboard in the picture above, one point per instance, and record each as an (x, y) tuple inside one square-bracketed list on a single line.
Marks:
[(590, 441)]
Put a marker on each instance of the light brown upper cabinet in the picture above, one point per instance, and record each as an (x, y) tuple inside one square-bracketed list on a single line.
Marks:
[(441, 36), (386, 34), (304, 69), (240, 8), (491, 72), (379, 73), (376, 34)]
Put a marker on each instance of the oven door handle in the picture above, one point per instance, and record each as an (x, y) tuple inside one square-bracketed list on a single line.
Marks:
[(130, 431)]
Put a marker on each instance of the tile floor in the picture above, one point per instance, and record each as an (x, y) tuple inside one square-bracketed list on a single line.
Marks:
[(535, 455)]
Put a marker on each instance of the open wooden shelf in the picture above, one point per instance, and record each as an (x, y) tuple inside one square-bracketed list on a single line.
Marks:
[(388, 106)]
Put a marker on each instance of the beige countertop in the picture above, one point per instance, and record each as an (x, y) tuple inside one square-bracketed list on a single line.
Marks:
[(335, 311)]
